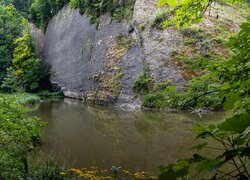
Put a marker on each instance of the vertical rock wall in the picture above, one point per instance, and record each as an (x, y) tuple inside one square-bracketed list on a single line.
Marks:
[(38, 39), (102, 64), (79, 56), (158, 44)]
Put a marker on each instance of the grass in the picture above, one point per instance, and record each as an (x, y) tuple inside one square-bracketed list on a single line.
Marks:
[(47, 94), (22, 98), (142, 83)]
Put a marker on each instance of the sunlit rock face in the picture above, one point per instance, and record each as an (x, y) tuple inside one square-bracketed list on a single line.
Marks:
[(84, 59)]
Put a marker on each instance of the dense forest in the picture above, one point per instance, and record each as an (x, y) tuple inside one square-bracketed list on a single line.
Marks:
[(220, 82)]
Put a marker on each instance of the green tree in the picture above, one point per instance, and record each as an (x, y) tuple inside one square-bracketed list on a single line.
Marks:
[(41, 12), (11, 83), (25, 62), (21, 6), (19, 134), (10, 28)]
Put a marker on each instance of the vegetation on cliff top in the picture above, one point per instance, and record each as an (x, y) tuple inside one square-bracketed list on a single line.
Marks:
[(41, 11)]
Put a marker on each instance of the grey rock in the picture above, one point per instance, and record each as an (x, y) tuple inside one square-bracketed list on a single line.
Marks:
[(76, 52)]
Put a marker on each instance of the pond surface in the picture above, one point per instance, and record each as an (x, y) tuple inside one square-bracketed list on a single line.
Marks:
[(83, 136)]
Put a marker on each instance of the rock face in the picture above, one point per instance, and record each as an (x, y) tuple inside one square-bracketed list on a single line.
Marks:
[(38, 39), (89, 63), (92, 64), (102, 64), (158, 44)]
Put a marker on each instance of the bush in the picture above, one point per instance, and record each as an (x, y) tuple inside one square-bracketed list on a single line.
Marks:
[(124, 12), (10, 29), (200, 92), (27, 66), (154, 100), (47, 170), (11, 83), (142, 83), (203, 91), (159, 16), (19, 135), (47, 94), (43, 10)]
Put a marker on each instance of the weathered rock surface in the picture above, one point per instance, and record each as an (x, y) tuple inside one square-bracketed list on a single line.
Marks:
[(90, 63), (158, 44), (77, 53), (38, 39)]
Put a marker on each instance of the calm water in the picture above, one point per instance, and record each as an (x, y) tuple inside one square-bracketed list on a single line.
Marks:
[(83, 136)]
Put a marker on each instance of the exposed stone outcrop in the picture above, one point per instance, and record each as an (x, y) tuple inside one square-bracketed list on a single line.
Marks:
[(88, 63), (160, 44), (102, 64), (38, 39)]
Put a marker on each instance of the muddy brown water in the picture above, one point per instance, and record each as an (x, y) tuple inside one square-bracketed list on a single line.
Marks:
[(104, 136)]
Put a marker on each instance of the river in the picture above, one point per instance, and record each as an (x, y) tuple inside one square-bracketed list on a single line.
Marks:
[(83, 136)]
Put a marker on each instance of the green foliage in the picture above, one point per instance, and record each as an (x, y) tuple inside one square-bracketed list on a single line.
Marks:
[(159, 16), (168, 97), (187, 12), (23, 98), (142, 83), (96, 8), (203, 91), (19, 134), (233, 134), (124, 41), (46, 170), (11, 83), (21, 6), (48, 94), (10, 28), (43, 10), (26, 65), (90, 45), (125, 11), (194, 32)]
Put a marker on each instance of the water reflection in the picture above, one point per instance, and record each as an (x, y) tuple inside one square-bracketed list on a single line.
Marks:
[(104, 136)]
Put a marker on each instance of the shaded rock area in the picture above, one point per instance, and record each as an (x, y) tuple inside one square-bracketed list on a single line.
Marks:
[(38, 39), (87, 63)]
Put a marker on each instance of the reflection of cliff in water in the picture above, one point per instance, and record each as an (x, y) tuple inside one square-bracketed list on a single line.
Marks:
[(106, 136)]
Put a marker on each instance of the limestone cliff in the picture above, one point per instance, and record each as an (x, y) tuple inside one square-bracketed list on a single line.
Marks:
[(93, 64), (101, 64)]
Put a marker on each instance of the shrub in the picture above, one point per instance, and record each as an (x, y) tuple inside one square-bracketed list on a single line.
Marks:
[(47, 170), (19, 135), (47, 94), (11, 83), (142, 83), (27, 66), (194, 32), (153, 100), (159, 16), (202, 92)]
